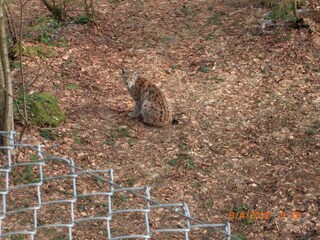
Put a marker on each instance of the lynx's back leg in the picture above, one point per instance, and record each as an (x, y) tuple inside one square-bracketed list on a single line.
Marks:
[(150, 114)]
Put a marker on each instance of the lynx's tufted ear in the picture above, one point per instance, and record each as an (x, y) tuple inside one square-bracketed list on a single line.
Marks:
[(124, 75), (135, 75), (132, 77)]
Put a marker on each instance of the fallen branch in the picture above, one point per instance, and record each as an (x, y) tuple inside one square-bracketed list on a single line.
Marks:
[(238, 11)]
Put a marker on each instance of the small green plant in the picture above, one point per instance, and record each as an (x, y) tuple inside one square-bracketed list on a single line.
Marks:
[(44, 29), (131, 141), (48, 134), (47, 22), (62, 43), (45, 38), (185, 9), (37, 51), (109, 142), (241, 214), (77, 137), (190, 163), (210, 36), (119, 133), (205, 124), (204, 69), (61, 237), (115, 1), (240, 209), (16, 65), (182, 157), (27, 173), (239, 235), (215, 19), (99, 182), (184, 160), (217, 79), (210, 8), (274, 3), (174, 162), (282, 11), (313, 129), (270, 3), (118, 200), (34, 51), (198, 184), (82, 20), (17, 237), (291, 144), (71, 86), (176, 66), (309, 132)]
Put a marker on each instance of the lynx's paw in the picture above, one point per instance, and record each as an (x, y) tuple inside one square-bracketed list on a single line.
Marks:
[(133, 115)]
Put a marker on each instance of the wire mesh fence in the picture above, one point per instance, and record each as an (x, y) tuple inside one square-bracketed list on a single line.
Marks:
[(46, 197)]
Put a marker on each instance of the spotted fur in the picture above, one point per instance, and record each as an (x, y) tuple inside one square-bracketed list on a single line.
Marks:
[(150, 102)]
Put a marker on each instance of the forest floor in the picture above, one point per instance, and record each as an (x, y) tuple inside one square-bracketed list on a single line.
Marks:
[(247, 101)]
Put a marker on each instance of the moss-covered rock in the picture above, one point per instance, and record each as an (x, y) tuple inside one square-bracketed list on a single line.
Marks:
[(43, 109)]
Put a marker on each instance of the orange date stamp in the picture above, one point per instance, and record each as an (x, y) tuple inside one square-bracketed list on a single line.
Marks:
[(262, 215), (293, 215), (254, 215)]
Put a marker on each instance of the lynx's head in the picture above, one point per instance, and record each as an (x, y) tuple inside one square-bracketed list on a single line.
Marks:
[(129, 77)]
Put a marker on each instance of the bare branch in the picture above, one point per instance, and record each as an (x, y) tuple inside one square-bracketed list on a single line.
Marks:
[(11, 25), (20, 59)]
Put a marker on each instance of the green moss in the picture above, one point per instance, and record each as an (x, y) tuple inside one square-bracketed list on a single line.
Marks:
[(34, 51), (43, 29), (43, 109), (281, 12)]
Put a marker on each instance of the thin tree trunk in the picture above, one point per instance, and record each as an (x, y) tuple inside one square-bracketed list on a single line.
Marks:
[(2, 103), (58, 13), (295, 11), (8, 112), (21, 67), (2, 100), (49, 5), (90, 11), (11, 25)]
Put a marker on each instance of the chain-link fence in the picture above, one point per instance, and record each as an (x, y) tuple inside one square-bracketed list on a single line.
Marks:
[(45, 197)]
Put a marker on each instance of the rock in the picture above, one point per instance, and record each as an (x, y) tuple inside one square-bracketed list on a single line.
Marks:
[(43, 109)]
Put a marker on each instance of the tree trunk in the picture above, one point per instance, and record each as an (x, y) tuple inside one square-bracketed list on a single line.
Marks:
[(295, 9), (58, 13), (2, 103), (7, 120)]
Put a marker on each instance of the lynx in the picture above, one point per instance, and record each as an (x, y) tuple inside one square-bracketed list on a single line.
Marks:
[(150, 102)]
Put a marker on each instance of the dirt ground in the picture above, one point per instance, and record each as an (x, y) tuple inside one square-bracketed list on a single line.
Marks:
[(246, 98)]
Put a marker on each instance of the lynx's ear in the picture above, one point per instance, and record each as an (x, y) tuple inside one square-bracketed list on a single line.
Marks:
[(135, 75), (123, 71)]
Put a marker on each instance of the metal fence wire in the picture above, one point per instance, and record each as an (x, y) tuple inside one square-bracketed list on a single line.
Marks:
[(45, 197)]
